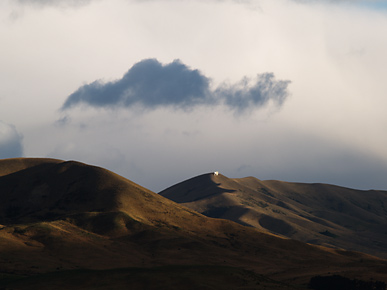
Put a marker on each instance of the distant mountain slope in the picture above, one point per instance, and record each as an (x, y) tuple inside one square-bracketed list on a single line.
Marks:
[(321, 214), (57, 215)]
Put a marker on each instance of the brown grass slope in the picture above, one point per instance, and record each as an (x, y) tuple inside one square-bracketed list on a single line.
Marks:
[(58, 216), (321, 214)]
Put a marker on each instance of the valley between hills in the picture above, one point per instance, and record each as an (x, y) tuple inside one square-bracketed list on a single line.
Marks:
[(66, 224)]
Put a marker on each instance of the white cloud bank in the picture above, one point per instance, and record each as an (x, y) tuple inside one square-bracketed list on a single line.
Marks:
[(330, 129), (54, 3)]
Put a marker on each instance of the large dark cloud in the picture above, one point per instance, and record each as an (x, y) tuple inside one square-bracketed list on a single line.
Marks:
[(150, 84), (10, 141)]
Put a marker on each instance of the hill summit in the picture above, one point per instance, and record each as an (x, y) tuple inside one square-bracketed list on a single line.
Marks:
[(320, 214)]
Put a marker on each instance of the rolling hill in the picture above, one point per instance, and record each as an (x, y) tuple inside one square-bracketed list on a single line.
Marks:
[(320, 214), (65, 224)]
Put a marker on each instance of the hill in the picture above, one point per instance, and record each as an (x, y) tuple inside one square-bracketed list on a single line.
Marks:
[(69, 224), (320, 214)]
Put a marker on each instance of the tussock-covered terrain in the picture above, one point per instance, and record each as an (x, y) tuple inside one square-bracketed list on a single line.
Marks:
[(72, 225), (320, 214)]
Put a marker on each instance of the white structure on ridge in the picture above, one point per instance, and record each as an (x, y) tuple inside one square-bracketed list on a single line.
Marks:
[(216, 173)]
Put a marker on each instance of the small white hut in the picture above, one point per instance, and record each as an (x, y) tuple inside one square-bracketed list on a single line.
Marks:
[(216, 173)]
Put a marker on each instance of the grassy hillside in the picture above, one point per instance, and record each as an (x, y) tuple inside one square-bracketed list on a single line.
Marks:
[(314, 213), (61, 216)]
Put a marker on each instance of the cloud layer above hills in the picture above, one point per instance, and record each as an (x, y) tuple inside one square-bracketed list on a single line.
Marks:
[(276, 89)]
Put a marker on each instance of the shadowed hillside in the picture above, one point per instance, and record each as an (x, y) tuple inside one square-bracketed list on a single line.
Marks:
[(58, 216), (167, 277), (321, 214)]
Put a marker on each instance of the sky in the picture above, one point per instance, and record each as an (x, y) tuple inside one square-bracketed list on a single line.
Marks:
[(160, 91)]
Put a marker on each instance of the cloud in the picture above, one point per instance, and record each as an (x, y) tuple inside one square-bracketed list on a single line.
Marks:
[(249, 94), (77, 3), (54, 3), (62, 121), (151, 84), (372, 4), (10, 141)]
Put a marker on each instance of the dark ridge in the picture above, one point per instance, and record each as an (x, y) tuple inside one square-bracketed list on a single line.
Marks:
[(51, 189), (196, 188)]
